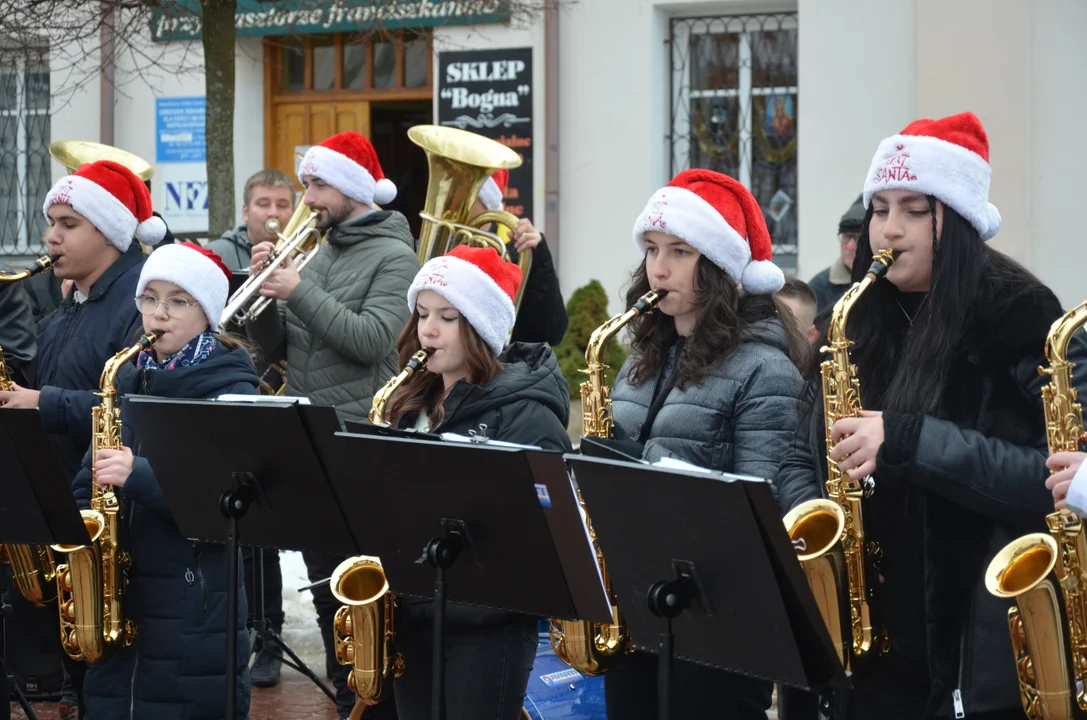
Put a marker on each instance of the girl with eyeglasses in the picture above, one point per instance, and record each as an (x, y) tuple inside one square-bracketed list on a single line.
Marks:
[(177, 588)]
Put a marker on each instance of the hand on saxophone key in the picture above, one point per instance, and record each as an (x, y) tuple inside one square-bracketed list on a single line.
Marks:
[(281, 283), (113, 466), (258, 255), (1064, 466), (19, 398), (857, 442)]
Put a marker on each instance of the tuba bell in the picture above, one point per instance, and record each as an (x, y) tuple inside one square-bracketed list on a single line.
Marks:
[(460, 163), (73, 154)]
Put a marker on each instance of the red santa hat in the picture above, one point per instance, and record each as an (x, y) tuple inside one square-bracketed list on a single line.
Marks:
[(348, 162), (113, 199), (947, 159), (720, 218), (481, 286), (494, 189), (196, 270)]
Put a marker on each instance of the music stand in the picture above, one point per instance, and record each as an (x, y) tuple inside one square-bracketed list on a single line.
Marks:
[(36, 508), (242, 473), (708, 554), (493, 524)]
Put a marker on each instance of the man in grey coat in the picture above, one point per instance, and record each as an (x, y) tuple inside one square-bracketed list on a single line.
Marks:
[(268, 194), (339, 319)]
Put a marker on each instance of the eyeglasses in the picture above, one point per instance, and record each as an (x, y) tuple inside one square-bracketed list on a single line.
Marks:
[(846, 238), (148, 304)]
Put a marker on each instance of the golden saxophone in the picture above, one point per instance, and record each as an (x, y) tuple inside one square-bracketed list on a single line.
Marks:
[(828, 534), (1050, 648), (364, 624), (91, 584), (33, 568), (593, 648)]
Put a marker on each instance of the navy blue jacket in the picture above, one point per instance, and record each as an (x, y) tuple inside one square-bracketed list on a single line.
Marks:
[(75, 346), (177, 588)]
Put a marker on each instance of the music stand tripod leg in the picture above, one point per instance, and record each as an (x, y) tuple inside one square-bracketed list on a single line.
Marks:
[(8, 685), (440, 553), (668, 599)]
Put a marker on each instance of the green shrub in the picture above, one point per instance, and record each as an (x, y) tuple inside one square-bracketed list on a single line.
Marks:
[(587, 310)]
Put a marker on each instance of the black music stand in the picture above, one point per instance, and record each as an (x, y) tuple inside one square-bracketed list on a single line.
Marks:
[(36, 508), (708, 554), (216, 460), (482, 517)]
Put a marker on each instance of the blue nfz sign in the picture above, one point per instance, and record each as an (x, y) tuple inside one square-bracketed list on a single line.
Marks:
[(179, 130)]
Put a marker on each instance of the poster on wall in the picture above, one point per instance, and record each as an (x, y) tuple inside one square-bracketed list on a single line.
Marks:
[(184, 201), (179, 130), (490, 92)]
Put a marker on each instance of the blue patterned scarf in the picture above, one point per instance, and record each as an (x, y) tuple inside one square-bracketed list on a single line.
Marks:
[(195, 352)]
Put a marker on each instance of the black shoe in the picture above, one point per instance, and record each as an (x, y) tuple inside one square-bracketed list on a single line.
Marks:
[(265, 671)]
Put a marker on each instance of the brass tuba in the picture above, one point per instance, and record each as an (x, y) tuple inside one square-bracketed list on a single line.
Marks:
[(828, 535), (364, 629), (460, 163), (593, 648), (1040, 570), (33, 568), (300, 240), (93, 626)]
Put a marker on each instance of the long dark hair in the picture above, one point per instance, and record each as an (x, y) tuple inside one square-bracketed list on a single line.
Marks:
[(724, 312), (905, 367), (424, 391)]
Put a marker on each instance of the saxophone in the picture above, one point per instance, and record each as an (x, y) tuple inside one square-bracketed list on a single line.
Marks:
[(33, 568), (91, 584), (364, 624), (593, 648), (1050, 647), (828, 534)]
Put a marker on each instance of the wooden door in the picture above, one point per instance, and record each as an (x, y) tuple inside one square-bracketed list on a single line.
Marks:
[(309, 123)]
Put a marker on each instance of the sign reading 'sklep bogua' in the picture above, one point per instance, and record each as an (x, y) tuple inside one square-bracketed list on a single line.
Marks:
[(180, 19)]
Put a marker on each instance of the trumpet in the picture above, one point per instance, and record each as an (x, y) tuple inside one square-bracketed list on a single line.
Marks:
[(300, 240)]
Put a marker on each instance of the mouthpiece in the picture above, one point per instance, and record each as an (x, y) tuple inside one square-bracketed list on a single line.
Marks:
[(272, 225)]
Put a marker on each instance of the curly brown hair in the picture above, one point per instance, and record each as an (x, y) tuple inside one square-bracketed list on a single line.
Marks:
[(724, 312)]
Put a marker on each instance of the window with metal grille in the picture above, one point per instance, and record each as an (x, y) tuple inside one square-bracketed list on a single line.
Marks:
[(24, 152), (734, 110)]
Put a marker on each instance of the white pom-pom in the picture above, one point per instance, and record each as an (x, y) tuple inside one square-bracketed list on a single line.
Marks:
[(384, 191), (151, 231), (762, 277), (994, 222)]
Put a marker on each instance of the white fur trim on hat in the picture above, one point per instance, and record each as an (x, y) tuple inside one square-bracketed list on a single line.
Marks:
[(108, 214), (346, 175), (682, 213), (194, 273), (955, 176), (490, 195), (474, 293), (151, 231)]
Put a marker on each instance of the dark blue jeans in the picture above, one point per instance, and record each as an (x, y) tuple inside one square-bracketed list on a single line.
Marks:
[(486, 670)]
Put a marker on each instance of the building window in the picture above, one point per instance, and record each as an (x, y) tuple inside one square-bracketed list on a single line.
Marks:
[(24, 152), (387, 66), (734, 110)]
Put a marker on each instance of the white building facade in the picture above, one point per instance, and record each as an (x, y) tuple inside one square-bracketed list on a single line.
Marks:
[(790, 97)]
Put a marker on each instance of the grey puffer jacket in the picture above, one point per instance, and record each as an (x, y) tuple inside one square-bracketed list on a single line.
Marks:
[(338, 329), (740, 419), (234, 247)]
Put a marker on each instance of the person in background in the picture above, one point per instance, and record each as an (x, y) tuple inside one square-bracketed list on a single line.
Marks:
[(801, 300), (268, 194), (831, 283), (542, 315)]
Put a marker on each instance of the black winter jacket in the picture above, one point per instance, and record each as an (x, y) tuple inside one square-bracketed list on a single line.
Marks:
[(542, 315), (965, 482), (18, 339), (75, 346), (177, 588)]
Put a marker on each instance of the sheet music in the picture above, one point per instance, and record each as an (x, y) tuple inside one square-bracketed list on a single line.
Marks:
[(479, 440), (673, 464), (269, 399)]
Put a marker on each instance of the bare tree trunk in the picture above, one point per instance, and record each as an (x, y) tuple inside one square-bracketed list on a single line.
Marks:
[(218, 39)]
